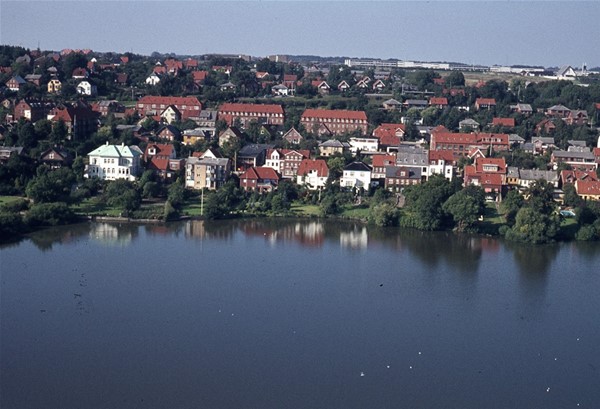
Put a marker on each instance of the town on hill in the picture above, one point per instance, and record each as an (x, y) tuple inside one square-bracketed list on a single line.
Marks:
[(513, 151)]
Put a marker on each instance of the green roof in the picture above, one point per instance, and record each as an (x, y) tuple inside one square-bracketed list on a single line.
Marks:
[(115, 151)]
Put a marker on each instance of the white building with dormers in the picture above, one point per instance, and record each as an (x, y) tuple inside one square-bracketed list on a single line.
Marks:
[(111, 162)]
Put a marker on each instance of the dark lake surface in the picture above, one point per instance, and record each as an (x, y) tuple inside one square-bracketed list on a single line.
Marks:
[(295, 314)]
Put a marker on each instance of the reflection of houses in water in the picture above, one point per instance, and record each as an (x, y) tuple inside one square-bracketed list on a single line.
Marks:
[(356, 239), (310, 234), (110, 234), (201, 229), (194, 229), (305, 233), (490, 245)]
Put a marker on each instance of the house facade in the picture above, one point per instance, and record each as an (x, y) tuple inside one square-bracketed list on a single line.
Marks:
[(207, 172), (399, 177), (111, 162), (151, 105), (271, 114), (312, 173), (259, 179), (337, 121), (356, 175), (286, 161)]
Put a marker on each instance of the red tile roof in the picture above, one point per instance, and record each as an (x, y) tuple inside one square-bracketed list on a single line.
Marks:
[(158, 164), (310, 165), (199, 75), (481, 162), (248, 108), (438, 101), (153, 99), (588, 187), (448, 156), (260, 173), (334, 114), (380, 161), (508, 122), (485, 101), (162, 149), (284, 152), (451, 137), (387, 133), (566, 175)]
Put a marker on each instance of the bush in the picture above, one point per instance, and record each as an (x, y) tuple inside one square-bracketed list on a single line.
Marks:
[(11, 224), (384, 214), (170, 213), (49, 214), (15, 206), (587, 233)]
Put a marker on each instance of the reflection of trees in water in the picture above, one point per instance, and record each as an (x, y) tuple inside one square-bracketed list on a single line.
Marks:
[(589, 250), (44, 239), (461, 251), (533, 261)]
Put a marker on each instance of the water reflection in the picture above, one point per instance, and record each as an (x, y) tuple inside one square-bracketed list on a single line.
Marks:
[(433, 249), (356, 239), (113, 234)]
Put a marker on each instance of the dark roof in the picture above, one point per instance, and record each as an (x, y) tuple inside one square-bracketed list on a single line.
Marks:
[(254, 149), (358, 167)]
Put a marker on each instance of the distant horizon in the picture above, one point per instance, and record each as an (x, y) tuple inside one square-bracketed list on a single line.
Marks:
[(473, 33)]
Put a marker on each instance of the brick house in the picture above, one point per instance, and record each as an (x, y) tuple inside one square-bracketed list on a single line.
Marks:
[(286, 161), (337, 121), (485, 103), (260, 179), (270, 114), (151, 105)]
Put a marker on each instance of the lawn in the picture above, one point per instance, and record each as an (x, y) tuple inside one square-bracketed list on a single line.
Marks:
[(302, 209), (492, 220), (9, 199), (356, 212), (95, 207), (568, 228)]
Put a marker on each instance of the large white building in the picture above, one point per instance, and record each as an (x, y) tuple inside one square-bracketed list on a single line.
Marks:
[(113, 162)]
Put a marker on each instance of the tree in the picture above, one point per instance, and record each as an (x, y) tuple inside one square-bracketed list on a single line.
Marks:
[(534, 227), (571, 198), (466, 206), (540, 197), (59, 132), (176, 194), (455, 79), (51, 186), (424, 203), (72, 61), (511, 204), (123, 194)]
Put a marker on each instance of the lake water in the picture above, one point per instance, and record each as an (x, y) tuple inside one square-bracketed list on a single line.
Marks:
[(295, 314)]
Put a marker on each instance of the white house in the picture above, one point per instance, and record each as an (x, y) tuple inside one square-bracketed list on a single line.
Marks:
[(440, 166), (312, 173), (153, 79), (356, 174), (86, 88), (280, 90), (364, 145), (113, 162)]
